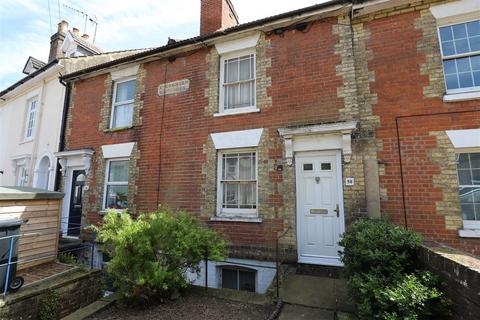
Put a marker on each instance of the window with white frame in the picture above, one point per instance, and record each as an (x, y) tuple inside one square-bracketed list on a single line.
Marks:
[(237, 81), (31, 118), (116, 184), (460, 46), (237, 183), (123, 100), (468, 169)]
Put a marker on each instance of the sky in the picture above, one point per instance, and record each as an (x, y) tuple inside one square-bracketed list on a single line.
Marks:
[(26, 25)]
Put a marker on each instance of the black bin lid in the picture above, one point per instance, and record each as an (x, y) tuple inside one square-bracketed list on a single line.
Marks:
[(11, 222)]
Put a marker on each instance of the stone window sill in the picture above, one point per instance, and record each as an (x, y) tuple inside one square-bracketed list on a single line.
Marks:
[(117, 129), (469, 233), (236, 219), (235, 112), (461, 96)]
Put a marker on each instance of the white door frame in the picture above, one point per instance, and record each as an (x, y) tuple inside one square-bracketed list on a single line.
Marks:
[(329, 261)]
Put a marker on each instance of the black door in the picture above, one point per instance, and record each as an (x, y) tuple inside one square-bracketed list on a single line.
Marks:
[(75, 213)]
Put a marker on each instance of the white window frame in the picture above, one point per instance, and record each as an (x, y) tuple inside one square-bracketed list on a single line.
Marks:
[(232, 212), (232, 55), (456, 56), (468, 224), (116, 183), (116, 104), (29, 117)]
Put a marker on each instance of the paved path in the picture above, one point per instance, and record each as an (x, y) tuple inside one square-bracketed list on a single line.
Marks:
[(314, 298)]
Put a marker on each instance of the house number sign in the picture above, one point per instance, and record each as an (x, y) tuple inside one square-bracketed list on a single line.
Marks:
[(173, 87)]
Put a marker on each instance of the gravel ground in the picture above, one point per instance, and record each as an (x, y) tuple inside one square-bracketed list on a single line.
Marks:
[(191, 307)]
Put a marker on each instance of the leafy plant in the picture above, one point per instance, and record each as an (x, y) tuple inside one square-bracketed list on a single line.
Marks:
[(50, 306), (151, 255), (67, 258), (380, 265)]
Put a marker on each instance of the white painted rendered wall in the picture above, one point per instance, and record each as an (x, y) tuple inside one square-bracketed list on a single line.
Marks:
[(47, 129), (264, 275)]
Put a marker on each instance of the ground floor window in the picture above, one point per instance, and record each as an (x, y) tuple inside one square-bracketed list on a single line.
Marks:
[(116, 184), (238, 279), (468, 169)]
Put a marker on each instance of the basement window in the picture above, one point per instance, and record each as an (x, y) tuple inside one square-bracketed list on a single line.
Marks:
[(238, 279), (122, 107), (460, 47), (468, 169)]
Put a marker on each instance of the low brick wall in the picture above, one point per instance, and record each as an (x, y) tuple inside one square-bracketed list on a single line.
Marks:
[(75, 289), (460, 276)]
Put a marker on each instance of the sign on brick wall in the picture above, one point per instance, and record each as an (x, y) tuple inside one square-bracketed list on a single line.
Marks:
[(173, 87)]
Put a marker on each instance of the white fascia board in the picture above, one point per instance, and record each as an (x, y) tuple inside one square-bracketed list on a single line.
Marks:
[(120, 150), (468, 138), (457, 11), (237, 139), (237, 44)]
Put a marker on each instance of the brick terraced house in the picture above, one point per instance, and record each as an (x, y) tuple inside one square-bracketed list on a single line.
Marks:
[(297, 124)]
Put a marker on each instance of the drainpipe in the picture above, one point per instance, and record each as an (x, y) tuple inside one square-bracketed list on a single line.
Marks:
[(66, 103)]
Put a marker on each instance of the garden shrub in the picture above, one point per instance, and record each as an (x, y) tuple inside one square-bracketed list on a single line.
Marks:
[(383, 277), (50, 306), (67, 258), (151, 255)]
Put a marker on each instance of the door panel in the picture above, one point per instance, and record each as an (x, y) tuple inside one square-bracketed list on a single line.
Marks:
[(76, 199), (318, 196)]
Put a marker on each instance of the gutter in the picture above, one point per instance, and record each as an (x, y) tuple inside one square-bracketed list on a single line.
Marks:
[(66, 104), (200, 40)]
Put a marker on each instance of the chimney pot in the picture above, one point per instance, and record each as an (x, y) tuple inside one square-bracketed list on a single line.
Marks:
[(62, 26), (85, 37), (75, 31)]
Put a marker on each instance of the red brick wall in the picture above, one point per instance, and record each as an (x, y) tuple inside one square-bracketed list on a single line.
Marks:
[(399, 87), (175, 128)]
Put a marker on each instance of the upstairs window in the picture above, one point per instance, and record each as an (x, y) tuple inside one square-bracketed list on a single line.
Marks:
[(237, 82), (238, 183), (123, 99), (460, 46), (31, 118), (468, 169), (116, 184)]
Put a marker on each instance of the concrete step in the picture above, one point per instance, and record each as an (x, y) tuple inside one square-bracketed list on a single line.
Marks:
[(91, 309)]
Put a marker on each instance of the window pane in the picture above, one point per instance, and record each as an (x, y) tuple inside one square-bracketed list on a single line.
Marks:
[(468, 212), (473, 28), (475, 60), (465, 80), (475, 160), (246, 172), (459, 31), (475, 43), (463, 161), (307, 166), (476, 78), (452, 81), (230, 193), (246, 194), (118, 171), (229, 279), (449, 67), (461, 46), (231, 163), (326, 166), (122, 116), (245, 68), (245, 95), (463, 65), (476, 177), (116, 197), (464, 177), (125, 91), (446, 34), (232, 70), (246, 281), (448, 48)]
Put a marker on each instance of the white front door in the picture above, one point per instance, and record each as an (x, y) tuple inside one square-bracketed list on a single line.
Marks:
[(320, 220)]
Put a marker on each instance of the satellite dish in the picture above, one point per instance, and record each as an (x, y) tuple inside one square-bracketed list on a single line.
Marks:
[(69, 46)]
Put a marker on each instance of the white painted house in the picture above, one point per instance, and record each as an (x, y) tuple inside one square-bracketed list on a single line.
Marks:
[(31, 110)]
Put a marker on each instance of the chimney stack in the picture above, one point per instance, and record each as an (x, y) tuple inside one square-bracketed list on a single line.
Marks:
[(85, 37), (56, 41), (75, 31), (216, 15)]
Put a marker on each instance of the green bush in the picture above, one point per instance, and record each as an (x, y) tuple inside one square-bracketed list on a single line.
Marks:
[(151, 254), (382, 274), (50, 306), (67, 258)]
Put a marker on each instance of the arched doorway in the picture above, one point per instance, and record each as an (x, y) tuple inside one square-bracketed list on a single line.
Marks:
[(43, 173)]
